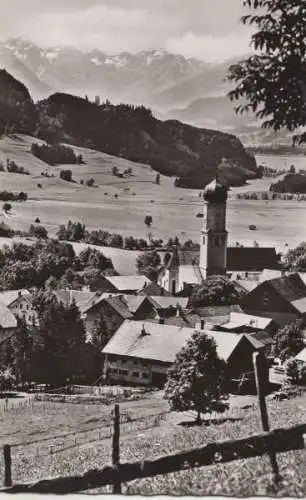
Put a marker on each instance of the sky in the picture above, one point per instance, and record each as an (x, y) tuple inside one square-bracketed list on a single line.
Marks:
[(205, 29)]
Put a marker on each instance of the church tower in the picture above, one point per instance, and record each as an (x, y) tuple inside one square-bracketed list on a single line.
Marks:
[(213, 244)]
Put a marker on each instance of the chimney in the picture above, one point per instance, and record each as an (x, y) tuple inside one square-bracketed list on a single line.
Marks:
[(19, 293), (162, 292), (202, 323), (143, 332)]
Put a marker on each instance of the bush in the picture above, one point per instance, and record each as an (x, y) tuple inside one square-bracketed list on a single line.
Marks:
[(90, 182), (148, 220), (56, 154), (13, 168), (7, 207), (66, 175), (38, 231), (9, 196)]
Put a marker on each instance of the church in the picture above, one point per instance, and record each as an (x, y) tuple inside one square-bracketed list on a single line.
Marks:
[(187, 267)]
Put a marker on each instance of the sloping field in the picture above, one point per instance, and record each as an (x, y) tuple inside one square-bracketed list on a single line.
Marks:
[(239, 478), (173, 209)]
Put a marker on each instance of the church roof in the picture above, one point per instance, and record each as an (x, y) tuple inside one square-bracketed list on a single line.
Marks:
[(215, 192), (251, 258)]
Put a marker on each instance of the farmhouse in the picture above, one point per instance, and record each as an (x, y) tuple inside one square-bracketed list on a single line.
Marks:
[(122, 284), (142, 352), (246, 323), (282, 299), (19, 302), (214, 257), (8, 325)]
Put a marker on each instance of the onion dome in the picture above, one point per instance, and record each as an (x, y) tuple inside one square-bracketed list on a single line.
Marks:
[(215, 192)]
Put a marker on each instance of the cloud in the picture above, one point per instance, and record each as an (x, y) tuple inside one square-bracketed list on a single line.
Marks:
[(209, 48), (207, 29)]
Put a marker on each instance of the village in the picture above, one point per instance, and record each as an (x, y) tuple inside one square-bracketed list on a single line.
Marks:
[(149, 322)]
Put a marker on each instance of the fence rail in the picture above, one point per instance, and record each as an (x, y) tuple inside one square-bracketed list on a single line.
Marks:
[(268, 442), (281, 440)]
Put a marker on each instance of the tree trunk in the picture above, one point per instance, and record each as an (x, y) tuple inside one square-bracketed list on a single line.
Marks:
[(198, 419)]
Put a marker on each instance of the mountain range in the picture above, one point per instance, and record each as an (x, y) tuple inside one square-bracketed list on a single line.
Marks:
[(170, 147), (173, 86)]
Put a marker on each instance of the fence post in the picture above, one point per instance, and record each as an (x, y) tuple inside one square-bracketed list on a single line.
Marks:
[(7, 465), (262, 378), (116, 450)]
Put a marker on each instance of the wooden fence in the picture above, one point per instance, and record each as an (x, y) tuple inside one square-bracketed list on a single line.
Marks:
[(268, 442)]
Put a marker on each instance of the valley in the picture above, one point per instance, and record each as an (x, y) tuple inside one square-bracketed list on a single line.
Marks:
[(120, 205)]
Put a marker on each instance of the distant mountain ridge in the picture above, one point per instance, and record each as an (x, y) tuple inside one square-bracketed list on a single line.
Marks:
[(173, 148), (156, 78)]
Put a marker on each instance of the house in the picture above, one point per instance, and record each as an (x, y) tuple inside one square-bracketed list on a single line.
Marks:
[(8, 325), (142, 352), (153, 289), (301, 357), (249, 262), (19, 302), (246, 323), (282, 299), (191, 267), (126, 284)]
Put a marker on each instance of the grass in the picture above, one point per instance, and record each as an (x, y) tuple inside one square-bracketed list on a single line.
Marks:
[(174, 209), (239, 478)]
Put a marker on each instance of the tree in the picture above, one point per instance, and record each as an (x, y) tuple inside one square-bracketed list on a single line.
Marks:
[(292, 371), (60, 343), (66, 175), (148, 220), (90, 182), (272, 81), (295, 259), (38, 231), (196, 379), (292, 169), (148, 263), (157, 179), (216, 291), (289, 341), (7, 207)]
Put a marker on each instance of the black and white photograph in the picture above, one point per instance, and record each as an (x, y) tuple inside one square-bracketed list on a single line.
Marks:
[(153, 247)]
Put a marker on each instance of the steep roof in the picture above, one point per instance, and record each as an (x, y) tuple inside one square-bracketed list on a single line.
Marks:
[(120, 306), (260, 339), (162, 342), (240, 319), (7, 319), (154, 289), (251, 259), (166, 302), (301, 356), (291, 288), (133, 283), (9, 296), (83, 300)]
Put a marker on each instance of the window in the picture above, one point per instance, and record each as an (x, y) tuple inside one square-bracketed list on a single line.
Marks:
[(135, 362), (21, 305), (203, 240), (266, 299), (123, 372), (135, 374), (145, 375)]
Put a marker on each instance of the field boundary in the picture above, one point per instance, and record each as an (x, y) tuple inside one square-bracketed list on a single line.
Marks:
[(280, 440)]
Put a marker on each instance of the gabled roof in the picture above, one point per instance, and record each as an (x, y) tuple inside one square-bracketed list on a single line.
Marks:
[(291, 288), (154, 289), (157, 342), (83, 300), (133, 283), (7, 319), (240, 319), (301, 356), (120, 306), (269, 274), (167, 302), (251, 259), (260, 339), (8, 297)]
